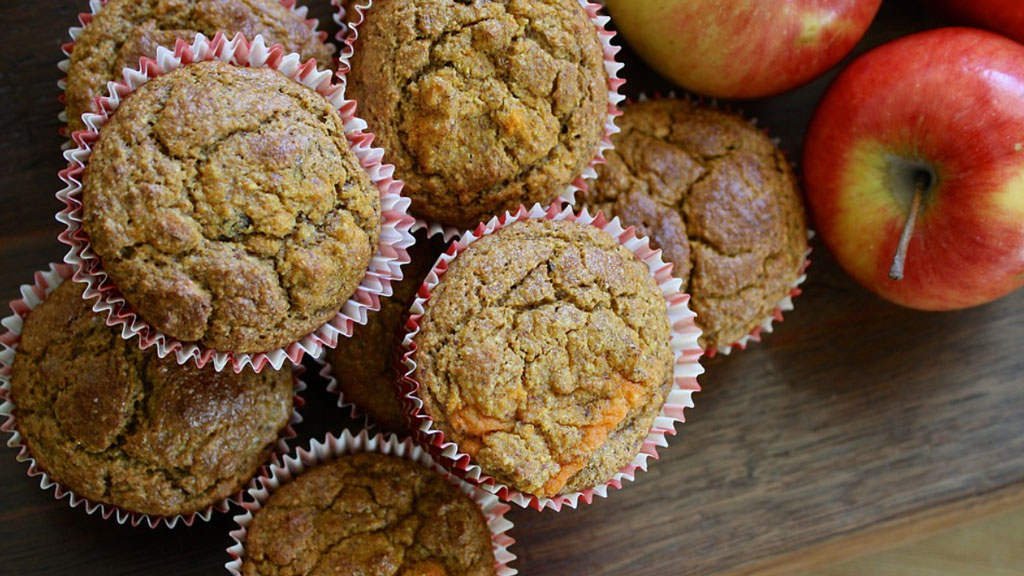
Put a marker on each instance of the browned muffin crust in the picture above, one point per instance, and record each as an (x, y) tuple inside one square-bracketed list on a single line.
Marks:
[(481, 106), (227, 206), (717, 196), (121, 426), (364, 365), (125, 30), (368, 514), (544, 352)]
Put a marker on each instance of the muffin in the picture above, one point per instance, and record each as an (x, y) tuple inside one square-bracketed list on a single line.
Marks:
[(125, 30), (544, 353), (718, 197), (369, 513), (364, 365), (123, 427), (227, 207), (482, 106)]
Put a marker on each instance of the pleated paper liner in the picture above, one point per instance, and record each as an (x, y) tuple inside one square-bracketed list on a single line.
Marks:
[(333, 447), (384, 268), (84, 18), (686, 366), (351, 409), (33, 295), (350, 34)]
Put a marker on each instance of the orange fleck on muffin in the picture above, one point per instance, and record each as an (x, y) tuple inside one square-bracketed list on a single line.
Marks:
[(544, 353)]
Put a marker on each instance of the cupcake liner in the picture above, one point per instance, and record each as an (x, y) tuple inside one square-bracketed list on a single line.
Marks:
[(686, 366), (384, 268), (32, 295), (354, 412), (334, 446), (84, 18), (350, 34), (766, 326)]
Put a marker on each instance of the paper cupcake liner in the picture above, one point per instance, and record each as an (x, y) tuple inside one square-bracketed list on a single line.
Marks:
[(32, 295), (766, 326), (84, 18), (686, 366), (350, 34), (334, 446), (354, 411), (384, 268)]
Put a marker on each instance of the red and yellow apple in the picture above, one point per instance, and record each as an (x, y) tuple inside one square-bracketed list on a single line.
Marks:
[(942, 113), (742, 48), (1003, 16)]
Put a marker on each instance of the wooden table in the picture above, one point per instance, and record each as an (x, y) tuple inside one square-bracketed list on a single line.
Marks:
[(855, 425)]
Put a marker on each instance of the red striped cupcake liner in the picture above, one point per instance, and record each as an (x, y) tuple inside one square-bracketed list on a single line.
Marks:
[(84, 18), (384, 268), (686, 367), (33, 295), (350, 34), (333, 447)]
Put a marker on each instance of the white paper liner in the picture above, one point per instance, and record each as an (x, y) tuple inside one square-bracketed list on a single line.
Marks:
[(84, 18), (684, 338), (350, 34), (354, 412), (384, 268), (334, 446), (32, 295)]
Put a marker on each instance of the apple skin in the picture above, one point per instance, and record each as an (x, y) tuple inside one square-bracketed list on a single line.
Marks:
[(1003, 16), (742, 48), (947, 101)]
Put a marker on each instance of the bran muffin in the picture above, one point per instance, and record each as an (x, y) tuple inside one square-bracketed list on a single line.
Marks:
[(364, 365), (227, 207), (544, 353), (368, 513), (120, 426), (125, 30), (482, 106), (718, 197)]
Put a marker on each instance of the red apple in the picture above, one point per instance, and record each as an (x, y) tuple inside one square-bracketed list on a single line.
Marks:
[(742, 48), (1003, 16), (943, 112)]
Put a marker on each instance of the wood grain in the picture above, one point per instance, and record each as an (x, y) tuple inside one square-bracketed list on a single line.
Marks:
[(854, 425)]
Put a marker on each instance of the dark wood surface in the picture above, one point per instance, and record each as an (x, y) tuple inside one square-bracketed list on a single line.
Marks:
[(856, 424)]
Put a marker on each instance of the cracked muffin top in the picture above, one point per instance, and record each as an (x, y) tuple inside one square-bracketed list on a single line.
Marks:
[(226, 205), (125, 30), (364, 365), (481, 106), (118, 425), (544, 353), (718, 197), (368, 514)]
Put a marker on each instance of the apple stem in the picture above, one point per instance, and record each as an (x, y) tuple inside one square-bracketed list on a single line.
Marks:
[(900, 259)]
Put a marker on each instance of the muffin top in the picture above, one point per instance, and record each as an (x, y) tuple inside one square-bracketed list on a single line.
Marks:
[(120, 426), (364, 365), (226, 205), (125, 30), (482, 106), (717, 196), (544, 353), (368, 514)]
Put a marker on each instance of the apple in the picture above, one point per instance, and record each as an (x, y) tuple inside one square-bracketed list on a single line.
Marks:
[(1003, 16), (922, 139), (742, 48)]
